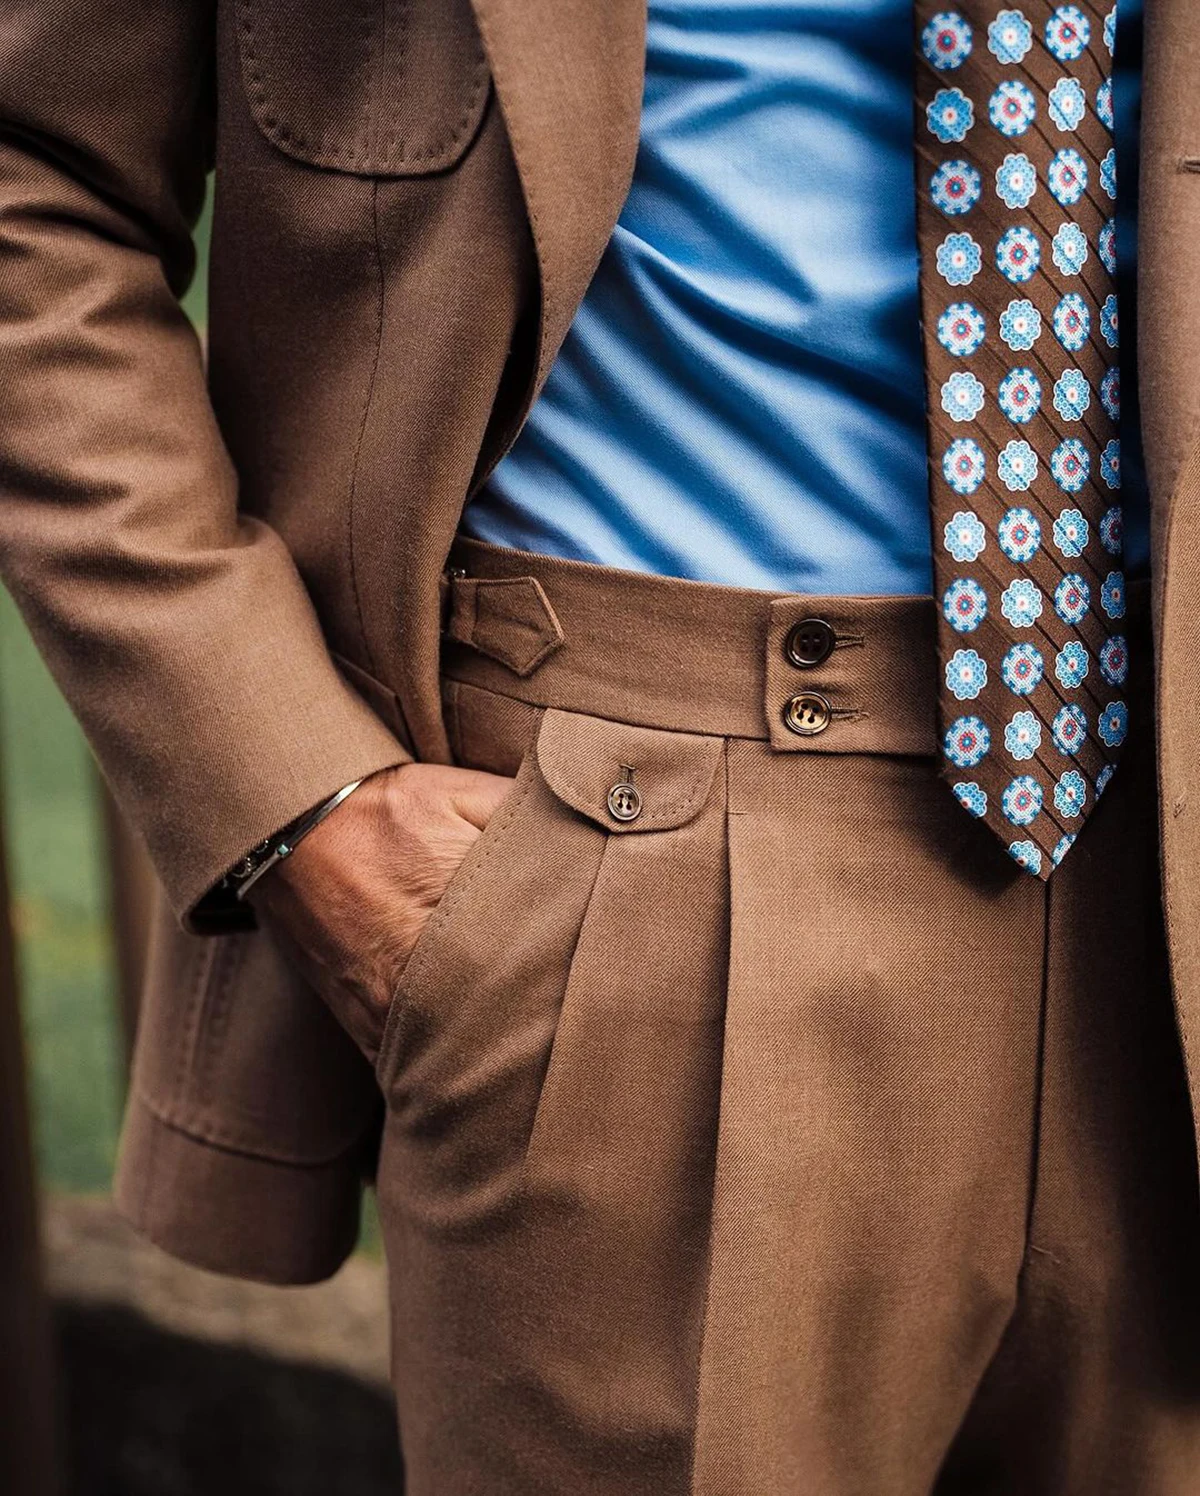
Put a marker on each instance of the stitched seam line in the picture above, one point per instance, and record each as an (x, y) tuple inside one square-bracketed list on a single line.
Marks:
[(539, 1124), (325, 151), (191, 1025), (356, 461), (415, 967), (231, 1142), (448, 905), (225, 964)]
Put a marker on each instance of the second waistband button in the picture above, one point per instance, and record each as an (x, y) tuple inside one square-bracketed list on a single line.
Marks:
[(807, 714)]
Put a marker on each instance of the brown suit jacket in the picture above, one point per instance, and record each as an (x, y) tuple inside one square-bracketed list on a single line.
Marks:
[(234, 574)]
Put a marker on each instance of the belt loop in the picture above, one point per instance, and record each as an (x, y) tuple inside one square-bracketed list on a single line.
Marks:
[(509, 619), (446, 583)]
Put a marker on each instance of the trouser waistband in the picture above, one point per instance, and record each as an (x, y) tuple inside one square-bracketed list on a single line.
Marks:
[(808, 673)]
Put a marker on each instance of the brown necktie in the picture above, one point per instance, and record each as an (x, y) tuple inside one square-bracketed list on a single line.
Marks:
[(1016, 190)]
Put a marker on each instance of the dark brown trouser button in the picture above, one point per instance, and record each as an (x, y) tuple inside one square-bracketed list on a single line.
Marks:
[(809, 642), (807, 714)]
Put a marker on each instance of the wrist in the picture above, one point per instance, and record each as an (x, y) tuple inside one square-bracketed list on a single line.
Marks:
[(268, 854)]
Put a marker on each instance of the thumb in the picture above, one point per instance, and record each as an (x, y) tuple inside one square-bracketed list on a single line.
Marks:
[(477, 795)]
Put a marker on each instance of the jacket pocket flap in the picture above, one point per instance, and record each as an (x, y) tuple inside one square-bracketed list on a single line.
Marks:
[(626, 778)]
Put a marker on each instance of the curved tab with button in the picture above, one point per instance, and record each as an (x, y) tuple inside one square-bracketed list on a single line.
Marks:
[(583, 758)]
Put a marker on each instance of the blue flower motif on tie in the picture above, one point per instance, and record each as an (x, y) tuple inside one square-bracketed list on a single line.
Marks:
[(1072, 394), (962, 397), (1018, 254), (1022, 668), (1020, 325), (1067, 33), (1072, 322), (1108, 321), (1067, 177), (1010, 36), (1070, 793), (1017, 465), (1069, 729), (955, 187), (1113, 725), (961, 329), (1070, 248), (1110, 462), (1108, 173), (1112, 594), (964, 466), (1114, 660), (1071, 664), (1026, 854), (1012, 108), (1110, 30), (967, 742), (1106, 247), (1072, 598), (1021, 603), (1020, 395), (1070, 465), (1068, 103), (1022, 799), (1016, 180), (949, 115), (1103, 778), (1023, 736), (959, 259), (965, 537), (1104, 104), (966, 674), (1071, 532), (1019, 534), (1110, 393), (1112, 530), (965, 605), (946, 40), (1062, 846), (971, 797)]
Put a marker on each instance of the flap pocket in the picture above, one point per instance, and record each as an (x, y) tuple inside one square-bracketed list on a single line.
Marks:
[(382, 700), (380, 88), (593, 765)]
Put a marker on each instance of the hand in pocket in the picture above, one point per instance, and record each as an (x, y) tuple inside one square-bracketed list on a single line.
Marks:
[(356, 893)]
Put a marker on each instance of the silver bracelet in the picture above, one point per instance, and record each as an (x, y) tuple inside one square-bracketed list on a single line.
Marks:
[(261, 859)]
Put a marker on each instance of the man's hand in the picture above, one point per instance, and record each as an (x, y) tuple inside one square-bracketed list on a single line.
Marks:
[(356, 892)]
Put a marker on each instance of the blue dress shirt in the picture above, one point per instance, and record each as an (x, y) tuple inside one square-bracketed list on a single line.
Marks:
[(741, 396)]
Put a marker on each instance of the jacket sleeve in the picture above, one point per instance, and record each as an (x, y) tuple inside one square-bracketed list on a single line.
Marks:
[(179, 630)]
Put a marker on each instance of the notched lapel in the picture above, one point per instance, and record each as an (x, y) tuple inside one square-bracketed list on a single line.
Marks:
[(569, 77)]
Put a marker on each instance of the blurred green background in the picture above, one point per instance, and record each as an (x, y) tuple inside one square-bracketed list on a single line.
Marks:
[(65, 952)]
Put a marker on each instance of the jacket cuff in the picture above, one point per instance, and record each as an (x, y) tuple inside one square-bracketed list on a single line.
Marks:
[(276, 1222)]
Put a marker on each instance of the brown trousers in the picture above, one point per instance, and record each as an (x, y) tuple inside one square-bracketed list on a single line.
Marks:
[(787, 1137)]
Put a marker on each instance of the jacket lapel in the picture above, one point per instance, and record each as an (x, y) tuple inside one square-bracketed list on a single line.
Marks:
[(568, 75), (1168, 269)]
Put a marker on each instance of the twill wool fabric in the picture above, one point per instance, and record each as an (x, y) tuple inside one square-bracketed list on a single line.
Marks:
[(1016, 195)]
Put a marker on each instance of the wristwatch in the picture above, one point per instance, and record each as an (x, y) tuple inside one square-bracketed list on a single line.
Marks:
[(260, 859)]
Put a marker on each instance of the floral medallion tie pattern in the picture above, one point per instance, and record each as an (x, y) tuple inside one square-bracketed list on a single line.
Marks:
[(1016, 192)]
